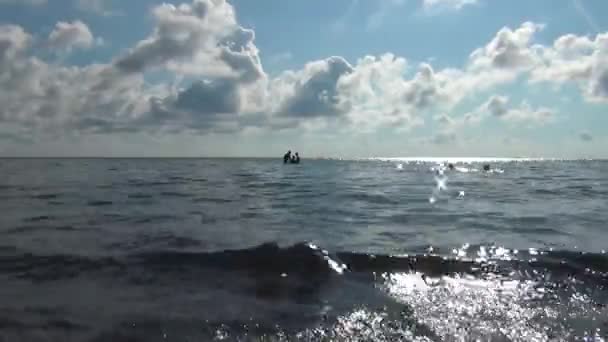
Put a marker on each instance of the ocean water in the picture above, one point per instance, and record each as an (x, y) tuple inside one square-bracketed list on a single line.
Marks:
[(251, 249)]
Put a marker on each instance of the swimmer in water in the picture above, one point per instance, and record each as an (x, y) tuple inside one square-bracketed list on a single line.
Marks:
[(486, 167), (287, 157)]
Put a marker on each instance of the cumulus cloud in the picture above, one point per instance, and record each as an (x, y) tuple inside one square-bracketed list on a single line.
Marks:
[(508, 55), (312, 92), (449, 128), (424, 89), (577, 59), (13, 40), (202, 40), (60, 99), (204, 106), (526, 114), (497, 105), (500, 107), (510, 49), (67, 36), (377, 93)]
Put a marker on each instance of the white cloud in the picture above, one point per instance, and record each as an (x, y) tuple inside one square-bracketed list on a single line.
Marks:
[(376, 92), (67, 36), (312, 92), (500, 107), (113, 97), (526, 114), (510, 49), (506, 57), (450, 129), (577, 59), (42, 97), (497, 107), (13, 40), (203, 40)]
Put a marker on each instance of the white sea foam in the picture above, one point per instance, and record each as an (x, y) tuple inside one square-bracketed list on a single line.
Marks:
[(463, 160)]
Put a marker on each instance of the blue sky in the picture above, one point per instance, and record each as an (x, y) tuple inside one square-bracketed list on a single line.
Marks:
[(334, 78)]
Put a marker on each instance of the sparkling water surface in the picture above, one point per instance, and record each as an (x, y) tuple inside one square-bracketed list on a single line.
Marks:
[(249, 249)]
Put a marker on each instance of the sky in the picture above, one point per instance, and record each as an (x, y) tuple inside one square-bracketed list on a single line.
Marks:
[(340, 78)]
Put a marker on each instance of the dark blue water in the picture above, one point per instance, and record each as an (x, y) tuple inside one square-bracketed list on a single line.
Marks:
[(238, 249)]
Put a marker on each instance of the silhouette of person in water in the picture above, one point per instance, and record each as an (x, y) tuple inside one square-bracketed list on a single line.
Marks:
[(287, 157), (295, 159), (486, 167)]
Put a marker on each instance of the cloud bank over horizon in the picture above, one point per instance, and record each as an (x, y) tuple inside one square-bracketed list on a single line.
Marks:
[(215, 83)]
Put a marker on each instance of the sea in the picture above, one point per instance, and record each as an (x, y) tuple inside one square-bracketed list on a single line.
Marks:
[(383, 249)]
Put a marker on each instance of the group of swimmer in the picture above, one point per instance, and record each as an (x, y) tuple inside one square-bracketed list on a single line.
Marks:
[(293, 159), (486, 167)]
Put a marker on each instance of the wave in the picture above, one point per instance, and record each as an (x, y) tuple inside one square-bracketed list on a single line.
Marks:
[(213, 200), (300, 259), (38, 228), (140, 184), (306, 260), (337, 296), (38, 218), (374, 198), (46, 196), (174, 194), (146, 219), (139, 195), (99, 203), (40, 268)]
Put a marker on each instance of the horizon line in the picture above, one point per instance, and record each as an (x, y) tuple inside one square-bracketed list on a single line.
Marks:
[(379, 158)]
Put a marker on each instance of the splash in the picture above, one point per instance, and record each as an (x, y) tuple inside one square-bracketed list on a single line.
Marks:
[(463, 160), (465, 169), (440, 183)]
